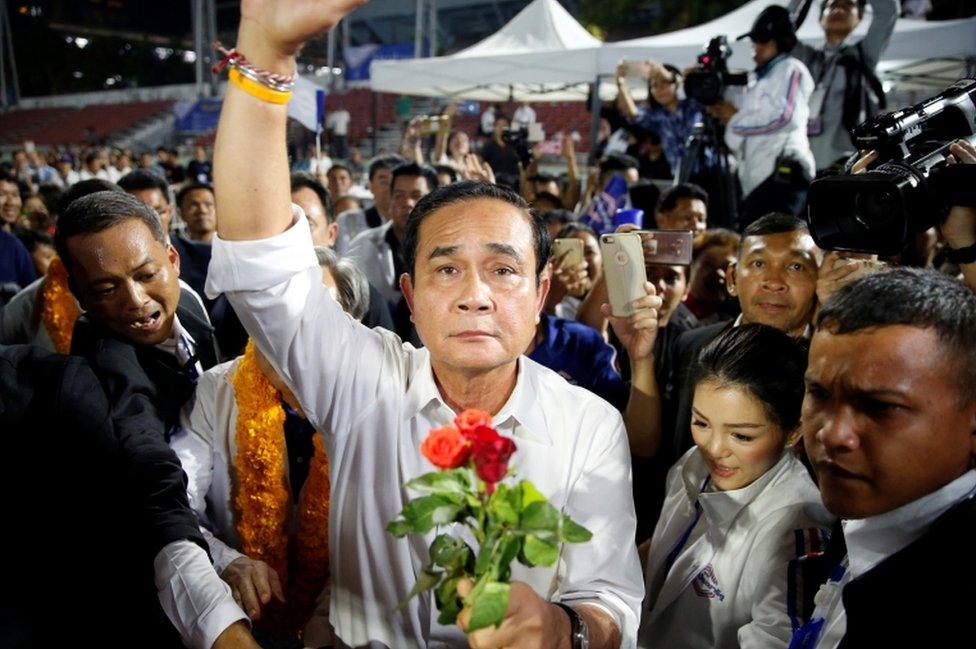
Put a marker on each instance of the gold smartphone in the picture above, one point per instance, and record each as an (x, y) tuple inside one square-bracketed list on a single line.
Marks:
[(623, 267), (569, 250)]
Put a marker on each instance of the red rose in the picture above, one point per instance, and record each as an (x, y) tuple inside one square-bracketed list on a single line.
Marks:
[(446, 448), (470, 419), (491, 453)]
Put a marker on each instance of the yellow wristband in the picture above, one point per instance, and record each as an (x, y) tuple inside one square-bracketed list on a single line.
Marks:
[(258, 90)]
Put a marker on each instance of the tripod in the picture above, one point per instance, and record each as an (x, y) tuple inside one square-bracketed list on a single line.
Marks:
[(718, 180)]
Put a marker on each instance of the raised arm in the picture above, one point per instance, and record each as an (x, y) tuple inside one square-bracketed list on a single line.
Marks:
[(251, 180)]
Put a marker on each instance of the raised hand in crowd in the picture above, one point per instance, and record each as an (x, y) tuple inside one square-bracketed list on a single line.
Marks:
[(841, 268), (474, 168)]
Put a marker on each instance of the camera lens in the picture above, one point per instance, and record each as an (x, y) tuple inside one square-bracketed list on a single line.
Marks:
[(873, 208)]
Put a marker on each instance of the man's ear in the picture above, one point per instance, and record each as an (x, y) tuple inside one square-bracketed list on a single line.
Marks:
[(542, 291), (174, 257), (406, 288), (333, 232), (730, 279)]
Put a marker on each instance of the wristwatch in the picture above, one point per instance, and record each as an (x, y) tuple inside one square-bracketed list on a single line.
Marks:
[(965, 255), (580, 634)]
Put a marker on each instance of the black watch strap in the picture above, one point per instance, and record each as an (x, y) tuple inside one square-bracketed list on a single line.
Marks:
[(579, 634), (965, 255)]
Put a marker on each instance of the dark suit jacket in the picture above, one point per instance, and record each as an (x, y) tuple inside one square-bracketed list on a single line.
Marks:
[(172, 387), (920, 596), (90, 497)]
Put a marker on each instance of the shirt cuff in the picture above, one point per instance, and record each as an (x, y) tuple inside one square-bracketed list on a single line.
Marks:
[(261, 264), (194, 598)]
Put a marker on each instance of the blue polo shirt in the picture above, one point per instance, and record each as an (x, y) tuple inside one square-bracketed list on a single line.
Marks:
[(16, 264), (580, 355)]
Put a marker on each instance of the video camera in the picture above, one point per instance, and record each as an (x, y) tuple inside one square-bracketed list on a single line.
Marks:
[(911, 188), (707, 83), (521, 140)]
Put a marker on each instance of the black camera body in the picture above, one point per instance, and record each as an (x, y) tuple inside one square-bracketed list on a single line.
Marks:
[(706, 84), (910, 188), (518, 139)]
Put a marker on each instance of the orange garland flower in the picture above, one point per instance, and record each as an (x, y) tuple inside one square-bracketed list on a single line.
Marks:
[(262, 500), (59, 310)]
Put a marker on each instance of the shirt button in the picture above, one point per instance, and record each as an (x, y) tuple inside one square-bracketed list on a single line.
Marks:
[(300, 460)]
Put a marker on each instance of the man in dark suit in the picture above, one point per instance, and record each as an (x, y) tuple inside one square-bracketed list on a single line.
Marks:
[(111, 503), (125, 275), (889, 426)]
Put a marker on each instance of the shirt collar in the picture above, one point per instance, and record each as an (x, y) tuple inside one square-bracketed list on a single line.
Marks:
[(169, 345), (872, 540), (765, 68), (520, 416), (722, 507)]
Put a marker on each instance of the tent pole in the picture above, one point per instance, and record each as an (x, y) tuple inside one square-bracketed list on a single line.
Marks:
[(595, 113)]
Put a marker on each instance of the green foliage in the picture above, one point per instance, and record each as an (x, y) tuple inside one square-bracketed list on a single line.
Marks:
[(515, 522)]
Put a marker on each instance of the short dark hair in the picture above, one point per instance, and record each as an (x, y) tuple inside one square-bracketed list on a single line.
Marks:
[(101, 211), (669, 199), (32, 238), (191, 188), (84, 188), (142, 179), (618, 162), (92, 155), (773, 223), (302, 179), (560, 216), (415, 170), (338, 165), (547, 196), (470, 190), (767, 362), (449, 170), (914, 297), (391, 161)]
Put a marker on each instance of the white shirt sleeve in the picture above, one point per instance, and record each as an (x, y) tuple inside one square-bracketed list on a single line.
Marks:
[(194, 598), (324, 355), (605, 571), (773, 104)]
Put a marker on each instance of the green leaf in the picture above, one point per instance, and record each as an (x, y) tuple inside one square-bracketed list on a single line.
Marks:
[(448, 601), (456, 482), (540, 518), (539, 552), (450, 553), (573, 532), (501, 507), (485, 554), (510, 548), (426, 580), (490, 606), (421, 515), (530, 494)]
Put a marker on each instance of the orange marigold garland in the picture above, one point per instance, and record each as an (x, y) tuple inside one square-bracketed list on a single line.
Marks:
[(262, 500), (59, 310)]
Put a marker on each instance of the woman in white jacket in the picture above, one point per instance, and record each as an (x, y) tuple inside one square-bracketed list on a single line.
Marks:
[(740, 506)]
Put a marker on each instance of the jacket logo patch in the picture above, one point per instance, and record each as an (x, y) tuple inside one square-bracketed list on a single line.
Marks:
[(706, 584)]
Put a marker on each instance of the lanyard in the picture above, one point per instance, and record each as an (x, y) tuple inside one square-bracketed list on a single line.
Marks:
[(808, 635), (680, 545)]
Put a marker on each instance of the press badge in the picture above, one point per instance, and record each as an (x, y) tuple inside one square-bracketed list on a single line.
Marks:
[(815, 122)]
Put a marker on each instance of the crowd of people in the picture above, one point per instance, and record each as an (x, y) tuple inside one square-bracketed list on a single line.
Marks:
[(215, 378)]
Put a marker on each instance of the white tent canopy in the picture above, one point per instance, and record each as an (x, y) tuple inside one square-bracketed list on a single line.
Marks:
[(542, 54), (913, 40)]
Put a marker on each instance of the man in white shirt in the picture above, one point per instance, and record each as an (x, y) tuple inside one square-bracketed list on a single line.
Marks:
[(337, 124), (352, 222), (475, 282), (889, 425), (524, 115)]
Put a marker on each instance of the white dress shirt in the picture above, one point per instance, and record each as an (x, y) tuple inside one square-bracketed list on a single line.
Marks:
[(872, 540), (378, 399), (196, 601), (372, 255)]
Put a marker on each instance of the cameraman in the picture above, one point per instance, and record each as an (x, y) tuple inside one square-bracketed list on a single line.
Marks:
[(503, 159), (767, 131), (847, 90)]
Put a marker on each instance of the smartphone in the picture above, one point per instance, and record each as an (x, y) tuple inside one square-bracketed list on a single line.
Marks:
[(571, 247), (623, 267), (667, 247), (434, 124)]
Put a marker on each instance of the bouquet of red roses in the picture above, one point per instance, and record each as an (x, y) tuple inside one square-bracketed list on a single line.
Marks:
[(509, 521)]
